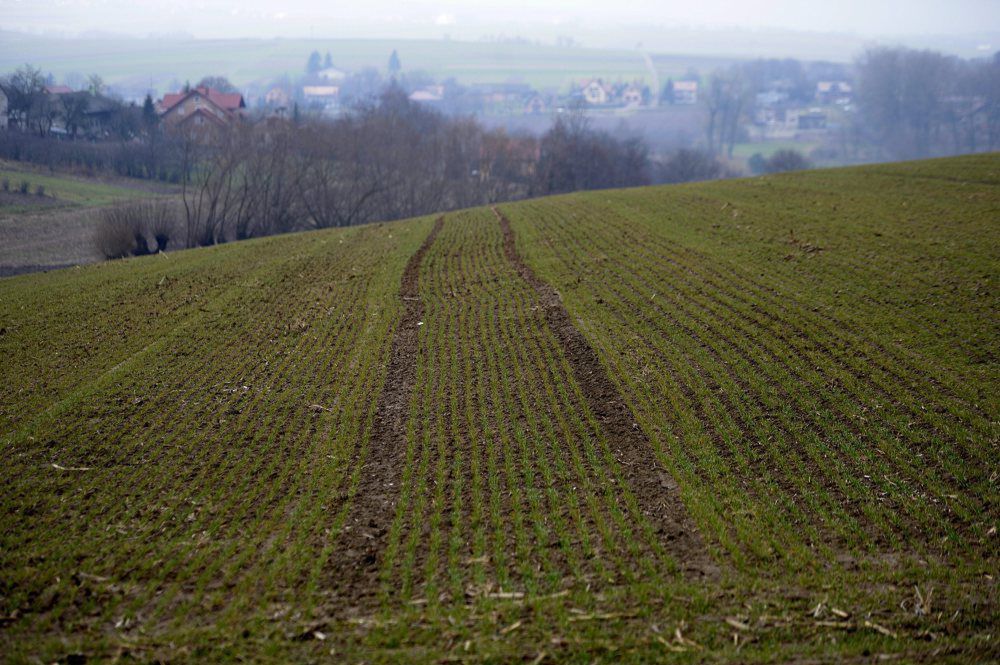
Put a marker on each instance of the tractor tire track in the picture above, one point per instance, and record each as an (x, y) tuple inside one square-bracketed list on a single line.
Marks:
[(661, 505), (356, 561)]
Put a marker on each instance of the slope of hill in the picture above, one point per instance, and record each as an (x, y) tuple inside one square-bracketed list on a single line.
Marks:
[(741, 421)]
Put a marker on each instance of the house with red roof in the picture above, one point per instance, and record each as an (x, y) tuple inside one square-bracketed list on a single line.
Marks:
[(202, 107)]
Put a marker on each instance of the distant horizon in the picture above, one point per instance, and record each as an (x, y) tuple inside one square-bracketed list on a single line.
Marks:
[(297, 18), (833, 45)]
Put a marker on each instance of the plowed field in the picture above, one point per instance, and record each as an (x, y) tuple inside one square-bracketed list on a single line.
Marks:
[(743, 421)]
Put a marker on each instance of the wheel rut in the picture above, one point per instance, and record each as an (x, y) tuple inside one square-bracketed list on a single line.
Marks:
[(658, 497), (357, 558)]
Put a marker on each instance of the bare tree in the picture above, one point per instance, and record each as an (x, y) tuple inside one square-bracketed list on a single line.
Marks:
[(727, 100), (902, 94), (24, 89)]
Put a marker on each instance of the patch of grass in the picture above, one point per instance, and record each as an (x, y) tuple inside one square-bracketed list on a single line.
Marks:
[(70, 190), (768, 148)]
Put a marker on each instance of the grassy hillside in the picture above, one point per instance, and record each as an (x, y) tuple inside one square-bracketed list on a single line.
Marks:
[(742, 421), (59, 190)]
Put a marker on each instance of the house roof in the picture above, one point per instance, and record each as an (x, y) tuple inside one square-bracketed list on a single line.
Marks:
[(685, 86), (92, 104), (331, 74), (320, 90), (596, 82), (227, 101), (58, 89), (202, 113), (425, 95), (828, 86)]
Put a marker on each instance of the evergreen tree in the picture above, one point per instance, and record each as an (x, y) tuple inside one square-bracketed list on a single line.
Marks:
[(315, 63), (394, 64), (327, 61), (667, 96), (148, 111)]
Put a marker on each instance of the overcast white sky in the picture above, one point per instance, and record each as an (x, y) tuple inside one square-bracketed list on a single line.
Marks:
[(473, 18)]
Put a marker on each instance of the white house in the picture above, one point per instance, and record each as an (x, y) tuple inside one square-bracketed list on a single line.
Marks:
[(431, 93), (632, 96), (331, 74), (596, 93), (327, 93)]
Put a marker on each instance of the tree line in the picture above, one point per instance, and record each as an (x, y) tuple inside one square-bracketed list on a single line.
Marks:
[(907, 103), (390, 158)]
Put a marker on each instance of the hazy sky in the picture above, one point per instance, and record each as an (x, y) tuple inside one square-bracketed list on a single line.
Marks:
[(475, 18)]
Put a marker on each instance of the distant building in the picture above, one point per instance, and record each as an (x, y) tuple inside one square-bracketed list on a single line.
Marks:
[(535, 105), (806, 119), (202, 106), (685, 92), (834, 92), (277, 97), (321, 93), (86, 114), (596, 93), (331, 74), (632, 96), (771, 98), (500, 93), (429, 94)]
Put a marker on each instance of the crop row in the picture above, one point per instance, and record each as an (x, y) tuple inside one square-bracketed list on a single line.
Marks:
[(510, 484), (60, 333), (789, 433), (221, 457)]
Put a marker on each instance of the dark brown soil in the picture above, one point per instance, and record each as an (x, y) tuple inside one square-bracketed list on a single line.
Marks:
[(355, 562), (657, 495)]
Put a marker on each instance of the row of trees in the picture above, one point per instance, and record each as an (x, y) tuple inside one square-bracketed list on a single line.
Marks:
[(32, 107), (919, 103), (389, 159), (909, 103)]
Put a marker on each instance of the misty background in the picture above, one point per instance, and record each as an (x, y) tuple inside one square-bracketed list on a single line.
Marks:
[(752, 28)]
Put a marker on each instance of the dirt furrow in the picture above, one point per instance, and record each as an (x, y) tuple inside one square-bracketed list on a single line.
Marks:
[(355, 562), (662, 506)]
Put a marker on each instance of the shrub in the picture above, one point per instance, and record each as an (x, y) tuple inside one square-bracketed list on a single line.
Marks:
[(689, 166), (114, 237), (162, 223), (787, 160), (24, 187), (39, 190), (123, 228), (6, 184), (757, 164)]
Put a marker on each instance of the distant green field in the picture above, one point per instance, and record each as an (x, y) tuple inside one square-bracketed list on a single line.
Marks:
[(744, 421), (156, 62), (768, 148), (66, 189)]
